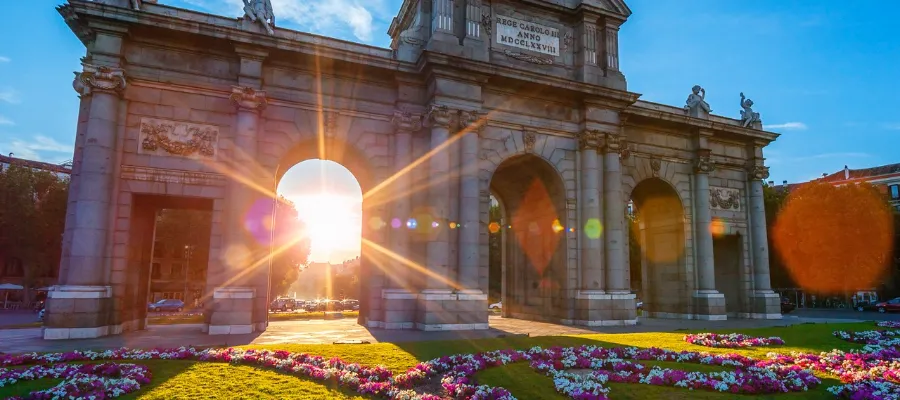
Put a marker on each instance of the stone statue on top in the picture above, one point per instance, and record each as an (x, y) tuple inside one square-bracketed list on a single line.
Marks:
[(261, 11), (696, 105), (749, 118)]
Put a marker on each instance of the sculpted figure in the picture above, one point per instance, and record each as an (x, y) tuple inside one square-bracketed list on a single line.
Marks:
[(696, 102), (261, 10), (748, 117)]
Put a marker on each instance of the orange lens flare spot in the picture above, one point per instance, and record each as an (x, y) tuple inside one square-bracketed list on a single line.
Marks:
[(717, 227), (493, 227), (557, 226), (833, 239)]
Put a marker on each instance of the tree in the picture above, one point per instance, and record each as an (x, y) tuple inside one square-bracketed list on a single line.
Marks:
[(774, 200), (835, 238), (32, 220), (291, 237)]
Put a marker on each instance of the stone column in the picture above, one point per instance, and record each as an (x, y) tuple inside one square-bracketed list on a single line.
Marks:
[(235, 305), (592, 229), (617, 284), (471, 300), (80, 307), (616, 279), (710, 304), (434, 306), (765, 303), (400, 298)]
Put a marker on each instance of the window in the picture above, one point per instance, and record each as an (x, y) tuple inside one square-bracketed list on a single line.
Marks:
[(895, 191), (158, 250), (155, 272), (14, 268), (177, 271)]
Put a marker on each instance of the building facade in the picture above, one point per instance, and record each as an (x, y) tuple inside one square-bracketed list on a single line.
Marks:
[(521, 100)]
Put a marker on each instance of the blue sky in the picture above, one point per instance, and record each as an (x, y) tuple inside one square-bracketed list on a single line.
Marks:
[(821, 73)]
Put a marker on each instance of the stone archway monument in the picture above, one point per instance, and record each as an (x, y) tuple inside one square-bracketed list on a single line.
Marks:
[(191, 110)]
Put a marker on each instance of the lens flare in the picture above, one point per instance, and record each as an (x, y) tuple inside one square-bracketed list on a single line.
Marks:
[(717, 227), (557, 226), (395, 223), (412, 224), (493, 227), (833, 239), (592, 228)]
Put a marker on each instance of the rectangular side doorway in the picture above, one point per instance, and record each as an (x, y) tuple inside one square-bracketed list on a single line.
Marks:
[(727, 258), (168, 257)]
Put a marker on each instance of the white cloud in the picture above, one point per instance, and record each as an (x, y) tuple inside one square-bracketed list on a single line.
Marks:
[(319, 16), (4, 59), (895, 126), (791, 126), (834, 155), (9, 96), (6, 121), (33, 149)]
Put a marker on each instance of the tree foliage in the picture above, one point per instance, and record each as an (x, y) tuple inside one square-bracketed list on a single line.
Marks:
[(774, 200), (290, 233), (835, 238), (32, 220)]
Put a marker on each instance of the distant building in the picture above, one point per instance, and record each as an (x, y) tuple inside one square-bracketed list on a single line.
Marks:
[(63, 170), (885, 177)]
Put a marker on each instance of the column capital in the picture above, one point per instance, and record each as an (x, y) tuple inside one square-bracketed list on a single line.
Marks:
[(247, 98), (614, 142), (472, 120), (589, 139), (440, 116), (406, 122), (703, 164), (99, 78), (757, 172)]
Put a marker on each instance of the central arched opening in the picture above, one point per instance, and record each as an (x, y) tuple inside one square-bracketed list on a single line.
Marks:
[(528, 197), (320, 203), (657, 248)]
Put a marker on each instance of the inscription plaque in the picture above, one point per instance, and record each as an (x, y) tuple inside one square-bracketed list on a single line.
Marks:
[(527, 35)]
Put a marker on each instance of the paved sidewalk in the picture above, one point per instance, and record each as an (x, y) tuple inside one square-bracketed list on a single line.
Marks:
[(329, 331)]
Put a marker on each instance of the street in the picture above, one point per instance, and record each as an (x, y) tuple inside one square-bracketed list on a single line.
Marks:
[(844, 314)]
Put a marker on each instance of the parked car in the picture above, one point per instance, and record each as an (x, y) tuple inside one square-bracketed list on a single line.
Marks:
[(496, 306), (350, 304), (283, 305), (167, 305), (41, 315), (890, 305), (787, 306)]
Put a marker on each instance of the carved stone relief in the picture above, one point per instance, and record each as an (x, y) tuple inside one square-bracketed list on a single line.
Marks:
[(725, 199), (529, 138), (655, 164), (173, 138), (528, 58)]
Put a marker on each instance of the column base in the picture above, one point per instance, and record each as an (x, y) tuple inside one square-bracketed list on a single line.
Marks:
[(444, 310), (598, 308), (765, 304), (709, 306), (399, 310), (79, 312), (232, 311)]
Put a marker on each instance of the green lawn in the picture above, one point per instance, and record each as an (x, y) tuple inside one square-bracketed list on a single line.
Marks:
[(182, 379)]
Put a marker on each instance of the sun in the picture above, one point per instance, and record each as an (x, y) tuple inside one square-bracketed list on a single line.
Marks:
[(333, 222)]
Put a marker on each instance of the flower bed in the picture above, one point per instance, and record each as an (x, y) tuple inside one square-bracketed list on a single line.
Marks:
[(731, 340), (889, 324), (81, 380), (582, 372)]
